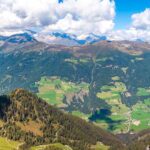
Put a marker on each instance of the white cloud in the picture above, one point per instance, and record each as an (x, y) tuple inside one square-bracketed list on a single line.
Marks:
[(141, 20), (83, 17), (72, 16), (139, 28), (79, 17), (130, 34)]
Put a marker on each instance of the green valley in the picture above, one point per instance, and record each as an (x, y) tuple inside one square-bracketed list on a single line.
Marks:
[(103, 83)]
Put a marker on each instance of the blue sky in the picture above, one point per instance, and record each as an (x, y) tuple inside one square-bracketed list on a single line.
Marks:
[(126, 8)]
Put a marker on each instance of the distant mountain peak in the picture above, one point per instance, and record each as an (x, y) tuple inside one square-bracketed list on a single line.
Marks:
[(20, 38), (59, 38), (67, 39)]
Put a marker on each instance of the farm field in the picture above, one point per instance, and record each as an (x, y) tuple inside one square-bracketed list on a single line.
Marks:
[(120, 118), (117, 117), (143, 92), (54, 89), (140, 116), (135, 119)]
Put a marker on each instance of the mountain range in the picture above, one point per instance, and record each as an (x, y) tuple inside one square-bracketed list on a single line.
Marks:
[(59, 38), (105, 83)]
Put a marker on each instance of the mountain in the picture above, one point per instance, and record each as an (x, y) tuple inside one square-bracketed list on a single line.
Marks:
[(18, 38), (88, 39), (107, 83), (3, 38), (69, 39), (26, 118), (92, 38), (20, 41), (55, 39)]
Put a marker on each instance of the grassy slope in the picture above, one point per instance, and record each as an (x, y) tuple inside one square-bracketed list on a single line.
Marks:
[(62, 126), (54, 146), (54, 89), (6, 144)]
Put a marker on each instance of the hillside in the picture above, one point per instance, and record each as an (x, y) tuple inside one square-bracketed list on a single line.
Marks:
[(141, 141), (26, 118), (106, 82)]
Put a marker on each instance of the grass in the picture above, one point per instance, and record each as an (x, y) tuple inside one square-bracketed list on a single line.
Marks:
[(135, 53), (81, 115), (1, 123), (139, 58), (55, 145), (115, 87), (100, 146), (119, 87), (147, 102), (84, 60), (143, 92), (103, 125), (115, 78), (113, 91), (108, 95), (106, 87), (141, 113), (54, 89), (111, 94), (50, 95), (72, 60), (119, 113), (6, 144)]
